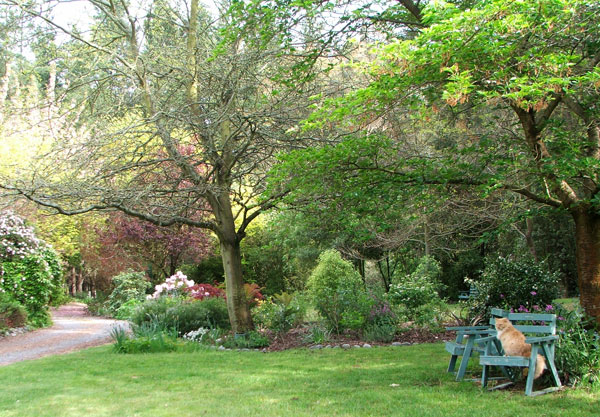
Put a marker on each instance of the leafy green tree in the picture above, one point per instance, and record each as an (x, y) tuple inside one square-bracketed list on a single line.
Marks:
[(524, 77), (181, 123)]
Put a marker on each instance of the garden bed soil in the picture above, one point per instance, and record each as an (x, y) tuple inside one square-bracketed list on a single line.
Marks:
[(296, 338)]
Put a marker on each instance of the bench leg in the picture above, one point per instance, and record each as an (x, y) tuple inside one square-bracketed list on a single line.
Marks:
[(530, 375), (550, 362), (465, 359), (452, 363)]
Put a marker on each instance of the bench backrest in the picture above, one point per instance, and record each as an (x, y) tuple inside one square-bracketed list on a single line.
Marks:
[(529, 323)]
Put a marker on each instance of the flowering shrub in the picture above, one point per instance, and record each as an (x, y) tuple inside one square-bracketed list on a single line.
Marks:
[(17, 239), (202, 291), (174, 285), (578, 347), (515, 284), (382, 323), (30, 271)]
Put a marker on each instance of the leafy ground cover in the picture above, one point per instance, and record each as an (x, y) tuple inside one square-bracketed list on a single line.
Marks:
[(383, 381)]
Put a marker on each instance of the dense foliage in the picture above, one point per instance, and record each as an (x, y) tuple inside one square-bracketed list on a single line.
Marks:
[(129, 286), (30, 270), (415, 297), (183, 315), (578, 348), (338, 292), (279, 313), (515, 285)]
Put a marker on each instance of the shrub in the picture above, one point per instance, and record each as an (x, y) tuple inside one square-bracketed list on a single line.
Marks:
[(515, 284), (174, 286), (29, 282), (253, 294), (183, 315), (127, 309), (202, 291), (279, 313), (148, 338), (12, 314), (128, 286), (18, 240), (250, 340), (338, 292), (97, 305), (578, 348), (415, 297), (205, 336), (382, 323)]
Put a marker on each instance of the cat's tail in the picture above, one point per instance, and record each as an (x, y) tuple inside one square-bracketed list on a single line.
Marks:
[(540, 366)]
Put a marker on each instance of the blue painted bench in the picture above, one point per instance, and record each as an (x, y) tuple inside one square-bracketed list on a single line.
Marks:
[(540, 331), (467, 342), (472, 293)]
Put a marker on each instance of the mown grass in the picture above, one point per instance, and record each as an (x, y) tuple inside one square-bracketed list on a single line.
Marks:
[(390, 381)]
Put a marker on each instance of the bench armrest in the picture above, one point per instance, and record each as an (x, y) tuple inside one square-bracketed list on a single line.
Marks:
[(461, 328), (487, 338), (541, 339)]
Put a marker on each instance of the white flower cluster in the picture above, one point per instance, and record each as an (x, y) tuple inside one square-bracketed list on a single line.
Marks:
[(174, 283), (16, 239), (196, 335)]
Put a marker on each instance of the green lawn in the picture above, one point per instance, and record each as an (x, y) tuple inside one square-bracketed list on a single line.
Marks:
[(358, 382)]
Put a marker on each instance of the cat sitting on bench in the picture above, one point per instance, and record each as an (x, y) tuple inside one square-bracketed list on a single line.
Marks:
[(513, 343)]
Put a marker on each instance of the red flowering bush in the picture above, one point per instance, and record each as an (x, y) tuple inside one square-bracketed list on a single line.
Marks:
[(202, 291)]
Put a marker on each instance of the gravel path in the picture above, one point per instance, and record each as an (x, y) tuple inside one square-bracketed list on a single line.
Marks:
[(73, 329)]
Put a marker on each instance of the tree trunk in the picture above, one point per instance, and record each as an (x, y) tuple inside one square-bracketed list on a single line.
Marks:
[(237, 304), (80, 283), (229, 240), (587, 241), (73, 282), (529, 239)]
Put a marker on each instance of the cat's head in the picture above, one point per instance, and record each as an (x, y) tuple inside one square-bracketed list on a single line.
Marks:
[(502, 323)]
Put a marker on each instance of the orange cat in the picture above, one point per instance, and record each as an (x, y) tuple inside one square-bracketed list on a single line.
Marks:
[(513, 343)]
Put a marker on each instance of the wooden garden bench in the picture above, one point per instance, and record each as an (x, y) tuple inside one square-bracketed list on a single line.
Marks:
[(472, 293), (468, 341), (540, 332)]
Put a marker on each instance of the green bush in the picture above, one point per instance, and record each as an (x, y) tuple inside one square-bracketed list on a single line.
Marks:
[(145, 339), (128, 286), (415, 297), (127, 309), (58, 293), (12, 313), (183, 315), (250, 340), (279, 313), (29, 282), (338, 293), (578, 348), (96, 305), (515, 285)]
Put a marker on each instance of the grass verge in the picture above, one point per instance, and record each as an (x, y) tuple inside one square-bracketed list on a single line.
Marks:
[(391, 381)]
